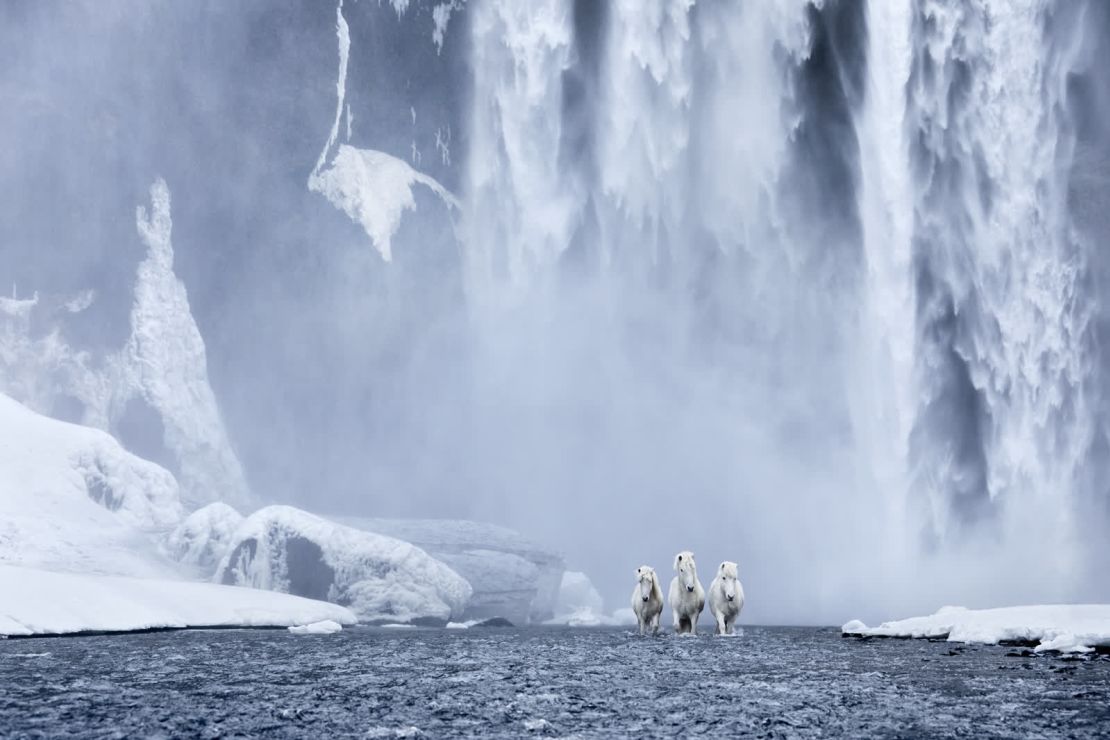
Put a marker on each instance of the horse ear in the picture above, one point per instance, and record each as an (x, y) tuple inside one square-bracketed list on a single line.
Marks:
[(677, 560)]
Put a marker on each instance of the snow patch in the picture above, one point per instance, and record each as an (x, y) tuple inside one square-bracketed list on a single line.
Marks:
[(1064, 628), (38, 602)]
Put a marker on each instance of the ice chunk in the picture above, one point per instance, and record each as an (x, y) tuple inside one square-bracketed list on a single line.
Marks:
[(381, 578), (326, 627)]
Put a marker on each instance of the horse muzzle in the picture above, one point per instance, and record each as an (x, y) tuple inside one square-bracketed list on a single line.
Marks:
[(690, 589), (645, 599)]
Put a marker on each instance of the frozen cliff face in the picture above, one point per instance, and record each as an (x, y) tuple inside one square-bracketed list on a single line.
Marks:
[(163, 365), (379, 578), (373, 188), (512, 577), (72, 499), (202, 540)]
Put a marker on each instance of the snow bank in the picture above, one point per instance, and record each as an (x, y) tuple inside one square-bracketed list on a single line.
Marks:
[(512, 577), (327, 627), (37, 602), (1066, 628), (203, 538), (72, 499), (281, 548)]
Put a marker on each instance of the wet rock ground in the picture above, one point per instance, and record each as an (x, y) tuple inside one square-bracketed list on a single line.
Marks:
[(543, 682)]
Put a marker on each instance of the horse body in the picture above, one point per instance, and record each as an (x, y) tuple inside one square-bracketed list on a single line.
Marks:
[(647, 599), (686, 597), (726, 597)]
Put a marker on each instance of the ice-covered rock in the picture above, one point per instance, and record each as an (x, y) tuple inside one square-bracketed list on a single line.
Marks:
[(576, 592), (380, 578), (512, 576), (72, 499), (38, 602), (203, 538), (579, 604), (1060, 627), (326, 627), (374, 189)]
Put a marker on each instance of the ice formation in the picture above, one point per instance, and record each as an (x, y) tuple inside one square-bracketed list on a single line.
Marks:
[(380, 578), (512, 577), (373, 188)]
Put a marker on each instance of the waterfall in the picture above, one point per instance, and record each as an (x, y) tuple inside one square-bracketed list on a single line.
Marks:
[(1004, 353), (520, 213), (808, 264)]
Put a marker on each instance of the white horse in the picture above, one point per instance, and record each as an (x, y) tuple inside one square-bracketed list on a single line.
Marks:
[(647, 599), (687, 597), (726, 597)]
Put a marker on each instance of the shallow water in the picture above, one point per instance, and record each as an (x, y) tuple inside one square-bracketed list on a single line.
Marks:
[(770, 682)]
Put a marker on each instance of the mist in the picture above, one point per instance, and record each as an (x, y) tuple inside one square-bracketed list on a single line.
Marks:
[(814, 287)]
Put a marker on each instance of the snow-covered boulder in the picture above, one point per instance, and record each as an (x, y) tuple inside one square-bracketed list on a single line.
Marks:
[(512, 577), (380, 578), (1060, 627), (72, 499), (202, 539)]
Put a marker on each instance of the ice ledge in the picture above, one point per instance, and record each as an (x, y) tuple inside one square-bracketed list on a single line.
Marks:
[(39, 602), (1078, 628)]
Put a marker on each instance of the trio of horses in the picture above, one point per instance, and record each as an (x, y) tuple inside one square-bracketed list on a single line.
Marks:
[(687, 597)]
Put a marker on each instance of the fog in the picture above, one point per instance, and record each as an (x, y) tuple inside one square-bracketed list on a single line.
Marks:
[(811, 287)]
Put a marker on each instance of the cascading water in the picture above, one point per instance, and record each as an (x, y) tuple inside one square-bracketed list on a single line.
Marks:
[(852, 298), (1005, 359)]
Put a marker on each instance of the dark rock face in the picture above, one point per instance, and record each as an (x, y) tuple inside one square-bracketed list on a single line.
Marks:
[(306, 571)]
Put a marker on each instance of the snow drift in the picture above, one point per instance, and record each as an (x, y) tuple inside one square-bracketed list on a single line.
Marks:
[(380, 578), (1062, 627), (72, 499)]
